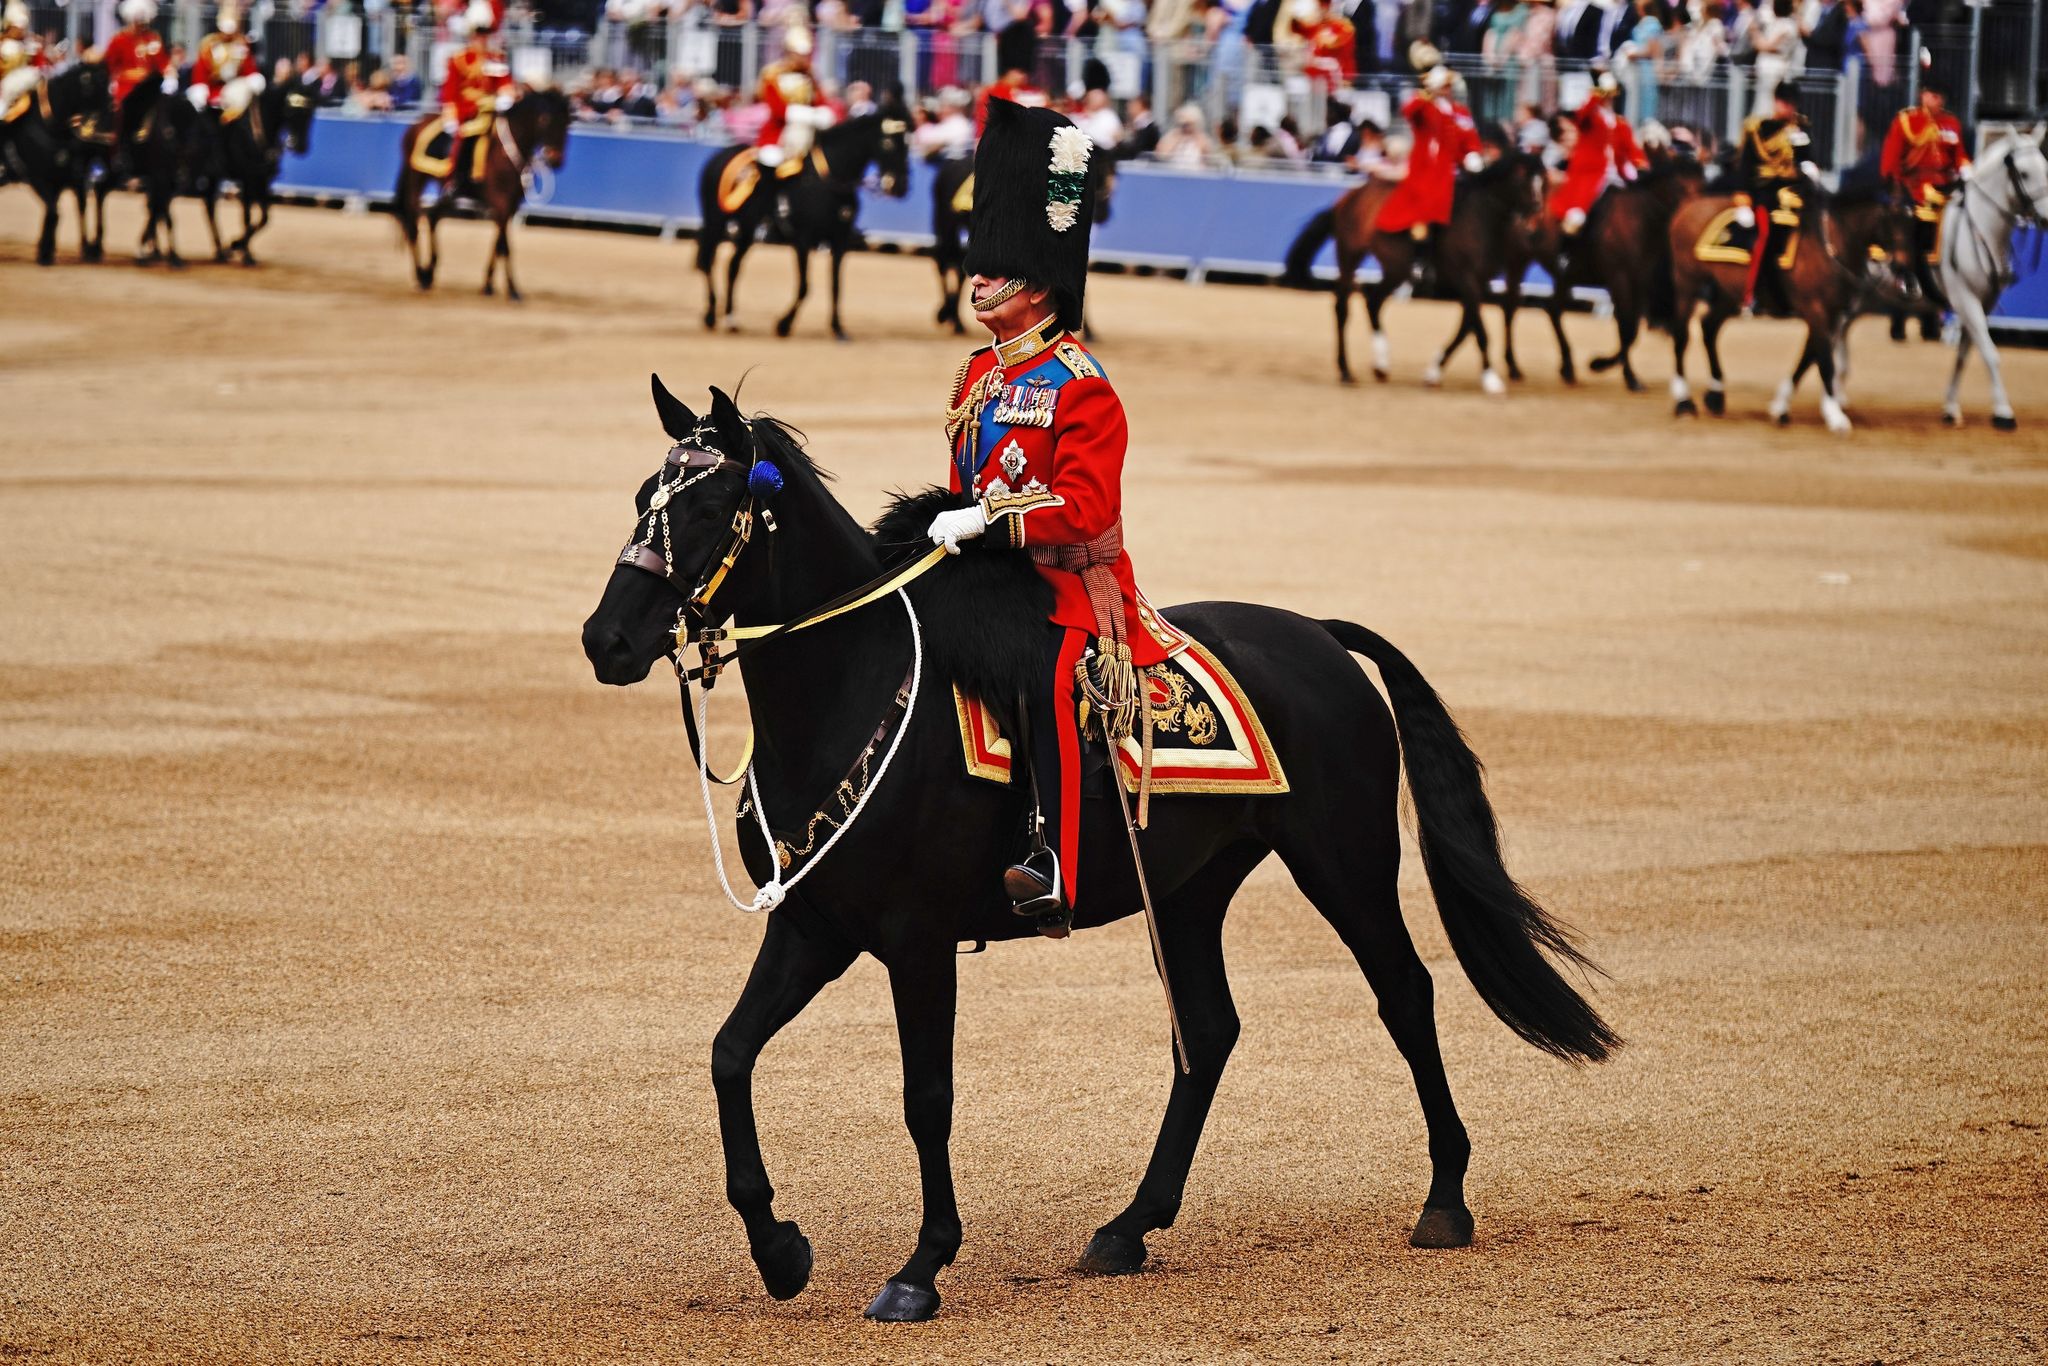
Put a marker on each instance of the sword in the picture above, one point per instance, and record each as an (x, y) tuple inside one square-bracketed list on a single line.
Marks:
[(1123, 800)]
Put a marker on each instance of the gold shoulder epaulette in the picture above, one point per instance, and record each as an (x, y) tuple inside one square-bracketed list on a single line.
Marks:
[(1080, 362)]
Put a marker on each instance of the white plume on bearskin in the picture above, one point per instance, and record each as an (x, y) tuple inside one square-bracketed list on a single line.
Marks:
[(481, 15), (16, 15), (138, 11)]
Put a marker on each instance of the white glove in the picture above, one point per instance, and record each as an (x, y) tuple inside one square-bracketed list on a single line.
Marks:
[(961, 524), (1745, 217), (169, 85), (197, 95), (1969, 169), (1809, 170), (1474, 163)]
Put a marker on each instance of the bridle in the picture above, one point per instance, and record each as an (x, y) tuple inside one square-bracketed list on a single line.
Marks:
[(689, 462), (2022, 209)]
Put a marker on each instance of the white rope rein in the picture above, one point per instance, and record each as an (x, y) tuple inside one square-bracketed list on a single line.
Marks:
[(776, 888)]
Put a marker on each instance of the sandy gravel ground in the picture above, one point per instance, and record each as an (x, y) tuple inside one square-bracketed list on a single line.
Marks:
[(359, 958)]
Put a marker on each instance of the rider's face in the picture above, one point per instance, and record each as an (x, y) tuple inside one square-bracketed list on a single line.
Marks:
[(1014, 314)]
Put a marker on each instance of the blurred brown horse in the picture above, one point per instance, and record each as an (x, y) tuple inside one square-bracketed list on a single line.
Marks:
[(1624, 249), (1494, 209), (537, 124), (1827, 276)]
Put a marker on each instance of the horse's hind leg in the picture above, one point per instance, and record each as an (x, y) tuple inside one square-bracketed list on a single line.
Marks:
[(924, 986), (1781, 402), (794, 964), (1382, 353), (1821, 345), (1353, 882), (803, 290), (1567, 368), (1710, 339), (1489, 380), (1681, 337), (1347, 265), (741, 243), (1191, 941), (46, 243)]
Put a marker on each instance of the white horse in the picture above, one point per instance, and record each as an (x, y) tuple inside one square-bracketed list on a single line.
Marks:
[(2010, 185)]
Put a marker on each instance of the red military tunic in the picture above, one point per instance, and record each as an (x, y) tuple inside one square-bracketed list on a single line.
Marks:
[(783, 84), (222, 57), (473, 82), (1606, 146), (1332, 58), (1041, 443), (1444, 135), (1019, 92), (132, 58), (1924, 152)]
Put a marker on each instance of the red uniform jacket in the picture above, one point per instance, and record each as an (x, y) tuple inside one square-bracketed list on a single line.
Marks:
[(222, 57), (1332, 58), (1023, 93), (1924, 152), (1043, 447), (1606, 145), (784, 83), (473, 82), (133, 58), (1444, 135)]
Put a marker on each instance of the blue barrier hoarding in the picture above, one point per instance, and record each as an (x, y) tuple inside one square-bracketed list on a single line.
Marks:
[(1159, 216)]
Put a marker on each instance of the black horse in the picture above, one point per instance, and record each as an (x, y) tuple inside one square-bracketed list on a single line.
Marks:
[(820, 206), (52, 148), (248, 149), (920, 869)]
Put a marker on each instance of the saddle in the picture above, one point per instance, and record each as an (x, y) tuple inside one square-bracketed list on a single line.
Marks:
[(1726, 242), (1197, 728), (434, 157)]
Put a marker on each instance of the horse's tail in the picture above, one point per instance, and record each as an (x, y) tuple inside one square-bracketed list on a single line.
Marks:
[(1498, 930), (406, 207), (1307, 243)]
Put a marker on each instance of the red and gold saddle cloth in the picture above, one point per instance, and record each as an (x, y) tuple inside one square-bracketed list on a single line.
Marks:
[(1205, 735)]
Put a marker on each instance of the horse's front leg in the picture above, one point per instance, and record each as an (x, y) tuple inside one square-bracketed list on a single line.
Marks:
[(795, 962), (220, 249), (839, 246), (1510, 303), (1976, 330), (803, 286), (924, 987), (1560, 295)]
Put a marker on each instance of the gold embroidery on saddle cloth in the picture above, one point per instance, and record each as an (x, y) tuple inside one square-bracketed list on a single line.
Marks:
[(737, 180), (1174, 706), (1714, 248)]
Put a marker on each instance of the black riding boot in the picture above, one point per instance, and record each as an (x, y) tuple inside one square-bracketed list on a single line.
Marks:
[(1036, 886)]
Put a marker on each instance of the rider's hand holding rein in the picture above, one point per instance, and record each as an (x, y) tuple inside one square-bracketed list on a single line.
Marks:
[(960, 524)]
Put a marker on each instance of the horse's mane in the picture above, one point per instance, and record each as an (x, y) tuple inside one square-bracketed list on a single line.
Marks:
[(983, 611), (776, 440)]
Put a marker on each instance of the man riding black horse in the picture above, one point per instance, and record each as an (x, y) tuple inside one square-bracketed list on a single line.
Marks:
[(1037, 438)]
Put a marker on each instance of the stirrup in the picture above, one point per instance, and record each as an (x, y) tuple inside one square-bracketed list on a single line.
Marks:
[(1033, 887)]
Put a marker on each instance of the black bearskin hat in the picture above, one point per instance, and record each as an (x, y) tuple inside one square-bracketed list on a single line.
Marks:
[(1034, 203), (1017, 47), (1788, 91), (1094, 74)]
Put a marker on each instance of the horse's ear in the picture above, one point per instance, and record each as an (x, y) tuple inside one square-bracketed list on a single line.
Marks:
[(725, 415), (676, 419)]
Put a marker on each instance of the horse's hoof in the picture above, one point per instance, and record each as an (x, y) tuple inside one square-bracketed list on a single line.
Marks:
[(248, 260), (1635, 386), (489, 290), (782, 326), (785, 1264), (1515, 374), (1685, 407), (2007, 423), (1951, 419), (514, 296), (1346, 380), (1717, 402), (732, 325), (1112, 1254), (46, 258), (1382, 375), (902, 1302), (175, 261), (1568, 375), (1784, 419), (1442, 1228), (220, 256)]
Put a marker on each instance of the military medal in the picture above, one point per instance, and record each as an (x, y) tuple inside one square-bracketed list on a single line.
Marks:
[(1029, 404)]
